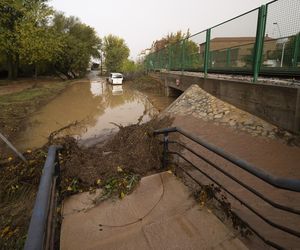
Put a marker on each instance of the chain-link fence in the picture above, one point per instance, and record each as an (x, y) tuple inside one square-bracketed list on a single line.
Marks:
[(265, 40)]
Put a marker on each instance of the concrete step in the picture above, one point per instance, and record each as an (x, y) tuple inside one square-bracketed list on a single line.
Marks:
[(271, 156)]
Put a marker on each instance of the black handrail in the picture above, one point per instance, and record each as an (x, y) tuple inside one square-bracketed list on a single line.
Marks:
[(252, 190), (281, 183), (39, 219), (253, 210), (271, 243)]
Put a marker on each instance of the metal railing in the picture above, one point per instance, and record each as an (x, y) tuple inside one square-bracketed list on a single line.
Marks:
[(41, 233), (265, 41), (277, 182)]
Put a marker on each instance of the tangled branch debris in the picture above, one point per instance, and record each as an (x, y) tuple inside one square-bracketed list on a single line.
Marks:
[(116, 167)]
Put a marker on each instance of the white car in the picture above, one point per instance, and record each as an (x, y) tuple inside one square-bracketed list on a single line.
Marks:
[(115, 78)]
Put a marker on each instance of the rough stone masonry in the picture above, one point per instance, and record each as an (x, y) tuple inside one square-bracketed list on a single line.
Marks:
[(197, 102)]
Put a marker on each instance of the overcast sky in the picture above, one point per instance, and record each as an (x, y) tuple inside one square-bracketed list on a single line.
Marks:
[(140, 22)]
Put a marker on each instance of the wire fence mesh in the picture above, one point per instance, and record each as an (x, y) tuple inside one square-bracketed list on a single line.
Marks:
[(194, 52), (232, 43), (264, 40), (281, 45)]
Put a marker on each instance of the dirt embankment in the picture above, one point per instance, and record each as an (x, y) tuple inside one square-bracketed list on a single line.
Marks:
[(116, 167), (144, 83), (22, 99)]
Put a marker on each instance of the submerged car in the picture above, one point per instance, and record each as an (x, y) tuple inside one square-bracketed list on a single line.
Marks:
[(115, 78)]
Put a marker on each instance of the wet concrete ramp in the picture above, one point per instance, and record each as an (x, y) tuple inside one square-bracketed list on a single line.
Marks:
[(159, 214)]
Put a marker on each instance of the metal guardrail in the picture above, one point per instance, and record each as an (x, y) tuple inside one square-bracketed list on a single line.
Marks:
[(42, 224), (280, 183)]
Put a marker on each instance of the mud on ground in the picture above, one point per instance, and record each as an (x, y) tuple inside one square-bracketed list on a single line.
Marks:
[(19, 101), (115, 167), (133, 149)]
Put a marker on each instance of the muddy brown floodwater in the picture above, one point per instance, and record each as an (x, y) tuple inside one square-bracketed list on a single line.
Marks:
[(96, 105)]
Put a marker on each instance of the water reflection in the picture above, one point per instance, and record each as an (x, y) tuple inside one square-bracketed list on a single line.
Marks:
[(97, 88), (95, 104), (117, 89)]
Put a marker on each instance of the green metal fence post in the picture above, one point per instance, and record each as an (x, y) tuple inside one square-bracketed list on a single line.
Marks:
[(183, 55), (228, 57), (259, 43), (296, 50), (154, 60), (170, 56), (206, 54), (169, 59), (166, 58), (145, 64), (159, 59)]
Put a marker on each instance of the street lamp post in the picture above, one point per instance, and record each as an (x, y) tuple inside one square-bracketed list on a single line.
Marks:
[(283, 41), (282, 54)]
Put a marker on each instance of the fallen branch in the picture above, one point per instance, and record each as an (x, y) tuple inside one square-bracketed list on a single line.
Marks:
[(56, 132), (117, 125)]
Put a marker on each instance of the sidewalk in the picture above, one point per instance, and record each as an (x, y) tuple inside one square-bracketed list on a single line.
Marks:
[(159, 214)]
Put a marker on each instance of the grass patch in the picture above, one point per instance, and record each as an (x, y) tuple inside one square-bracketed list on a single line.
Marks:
[(29, 95)]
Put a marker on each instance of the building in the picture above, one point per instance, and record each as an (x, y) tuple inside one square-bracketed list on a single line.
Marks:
[(142, 55), (236, 51)]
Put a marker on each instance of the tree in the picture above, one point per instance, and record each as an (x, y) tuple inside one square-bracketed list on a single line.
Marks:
[(12, 13), (25, 33), (38, 41), (115, 52), (171, 38), (32, 33), (130, 66), (80, 43), (174, 46)]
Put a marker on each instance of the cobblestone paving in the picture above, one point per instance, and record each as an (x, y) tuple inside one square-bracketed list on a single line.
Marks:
[(195, 101)]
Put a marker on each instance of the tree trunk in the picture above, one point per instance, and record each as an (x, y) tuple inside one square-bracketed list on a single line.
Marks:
[(13, 65), (16, 66), (35, 71), (10, 66)]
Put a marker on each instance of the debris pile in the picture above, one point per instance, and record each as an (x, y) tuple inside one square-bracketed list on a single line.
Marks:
[(116, 167)]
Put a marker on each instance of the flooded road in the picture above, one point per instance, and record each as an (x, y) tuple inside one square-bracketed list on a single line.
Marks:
[(97, 107)]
